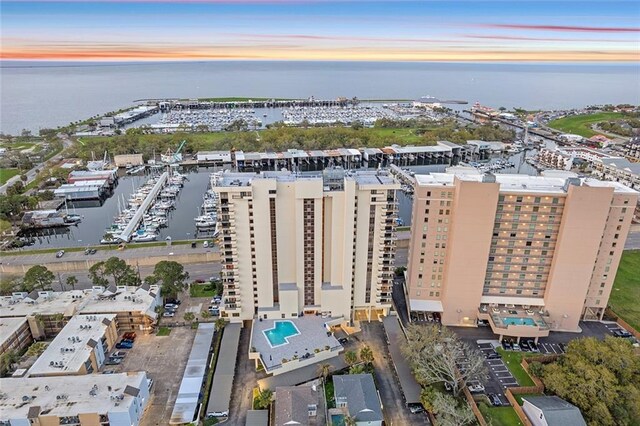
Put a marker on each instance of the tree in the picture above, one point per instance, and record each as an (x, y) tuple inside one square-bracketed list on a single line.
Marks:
[(7, 360), (324, 370), (601, 378), (427, 396), (171, 276), (349, 420), (432, 352), (72, 281), (450, 412), (263, 399), (7, 286), (116, 269), (220, 323), (189, 316), (350, 357), (205, 315), (357, 369), (366, 355), (38, 277)]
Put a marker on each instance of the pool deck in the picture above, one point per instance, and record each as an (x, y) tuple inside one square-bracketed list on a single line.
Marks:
[(313, 335)]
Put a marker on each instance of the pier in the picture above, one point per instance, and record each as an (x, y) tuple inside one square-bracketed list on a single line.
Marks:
[(137, 217)]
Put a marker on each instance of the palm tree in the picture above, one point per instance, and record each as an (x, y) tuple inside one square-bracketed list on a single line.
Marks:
[(349, 421), (350, 357), (72, 281), (366, 355), (356, 369), (205, 315), (323, 370), (220, 323), (189, 316)]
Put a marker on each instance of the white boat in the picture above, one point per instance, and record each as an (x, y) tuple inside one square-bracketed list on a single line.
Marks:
[(144, 237)]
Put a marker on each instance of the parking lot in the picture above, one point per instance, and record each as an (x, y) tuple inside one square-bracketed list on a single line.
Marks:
[(164, 359), (499, 376)]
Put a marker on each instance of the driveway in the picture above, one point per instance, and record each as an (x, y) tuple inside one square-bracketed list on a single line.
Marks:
[(393, 407)]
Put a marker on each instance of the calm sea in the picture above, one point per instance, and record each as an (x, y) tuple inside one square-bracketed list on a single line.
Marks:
[(37, 95)]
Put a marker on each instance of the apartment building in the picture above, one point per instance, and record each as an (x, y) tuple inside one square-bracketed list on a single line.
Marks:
[(90, 400), (527, 254), (80, 348), (306, 243), (15, 334)]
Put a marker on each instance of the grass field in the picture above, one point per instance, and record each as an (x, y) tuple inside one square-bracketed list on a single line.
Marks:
[(512, 360), (625, 296), (581, 124), (500, 416), (202, 290), (163, 331), (6, 174)]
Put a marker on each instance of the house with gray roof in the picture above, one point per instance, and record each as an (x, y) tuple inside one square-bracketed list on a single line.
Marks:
[(357, 394), (296, 405), (551, 411)]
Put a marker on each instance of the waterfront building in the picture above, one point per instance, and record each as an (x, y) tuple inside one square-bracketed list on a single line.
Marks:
[(80, 348), (95, 399), (296, 244), (528, 254)]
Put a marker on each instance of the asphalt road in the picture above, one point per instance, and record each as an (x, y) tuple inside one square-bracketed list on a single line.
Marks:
[(197, 271), (633, 239), (129, 253)]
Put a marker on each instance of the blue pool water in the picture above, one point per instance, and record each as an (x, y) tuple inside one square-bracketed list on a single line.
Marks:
[(518, 321), (337, 420), (278, 334)]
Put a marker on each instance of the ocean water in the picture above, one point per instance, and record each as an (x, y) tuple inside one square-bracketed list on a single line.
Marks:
[(35, 95)]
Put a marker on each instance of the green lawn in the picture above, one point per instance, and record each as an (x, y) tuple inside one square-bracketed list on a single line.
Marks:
[(581, 124), (163, 331), (500, 416), (6, 174), (626, 289), (202, 290), (512, 360)]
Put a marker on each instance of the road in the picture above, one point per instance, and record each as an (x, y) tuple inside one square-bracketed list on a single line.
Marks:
[(32, 174), (128, 253), (633, 239), (197, 271)]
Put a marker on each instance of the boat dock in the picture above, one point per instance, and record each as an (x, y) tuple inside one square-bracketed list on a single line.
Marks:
[(125, 235)]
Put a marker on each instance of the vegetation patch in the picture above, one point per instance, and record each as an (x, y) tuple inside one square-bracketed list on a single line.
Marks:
[(6, 174), (512, 360), (626, 289), (203, 290), (499, 416), (581, 124), (329, 393), (163, 331)]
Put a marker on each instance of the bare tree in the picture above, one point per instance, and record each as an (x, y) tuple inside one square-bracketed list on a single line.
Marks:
[(437, 355), (450, 412)]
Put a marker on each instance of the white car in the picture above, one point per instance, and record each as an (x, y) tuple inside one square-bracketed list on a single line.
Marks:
[(171, 306), (475, 386), (169, 314)]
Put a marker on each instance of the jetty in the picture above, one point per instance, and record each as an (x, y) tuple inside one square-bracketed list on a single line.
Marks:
[(125, 235)]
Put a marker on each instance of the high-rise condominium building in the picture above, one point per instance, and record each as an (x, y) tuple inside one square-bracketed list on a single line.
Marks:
[(524, 254), (293, 244)]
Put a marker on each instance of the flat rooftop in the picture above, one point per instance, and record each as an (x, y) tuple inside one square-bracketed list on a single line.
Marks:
[(43, 303), (514, 182), (9, 326), (361, 177), (91, 301), (73, 345), (68, 396)]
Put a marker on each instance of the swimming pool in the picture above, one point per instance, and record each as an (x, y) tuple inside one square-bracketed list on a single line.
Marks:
[(518, 321), (337, 420), (277, 336)]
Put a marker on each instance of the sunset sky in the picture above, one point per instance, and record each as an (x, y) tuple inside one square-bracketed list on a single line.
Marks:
[(574, 31)]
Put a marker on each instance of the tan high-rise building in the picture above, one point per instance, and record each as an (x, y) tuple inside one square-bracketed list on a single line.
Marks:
[(292, 244), (526, 254)]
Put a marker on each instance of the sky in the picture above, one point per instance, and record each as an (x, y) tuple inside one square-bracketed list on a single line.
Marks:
[(425, 30)]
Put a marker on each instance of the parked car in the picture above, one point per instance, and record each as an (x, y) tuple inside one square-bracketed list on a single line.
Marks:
[(171, 306), (93, 251), (495, 400), (475, 386), (172, 301), (416, 408), (524, 345), (113, 361), (533, 346), (124, 345), (343, 340), (169, 314), (60, 253), (506, 345), (129, 336), (87, 252), (118, 354), (493, 355), (515, 346), (621, 333), (109, 372)]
